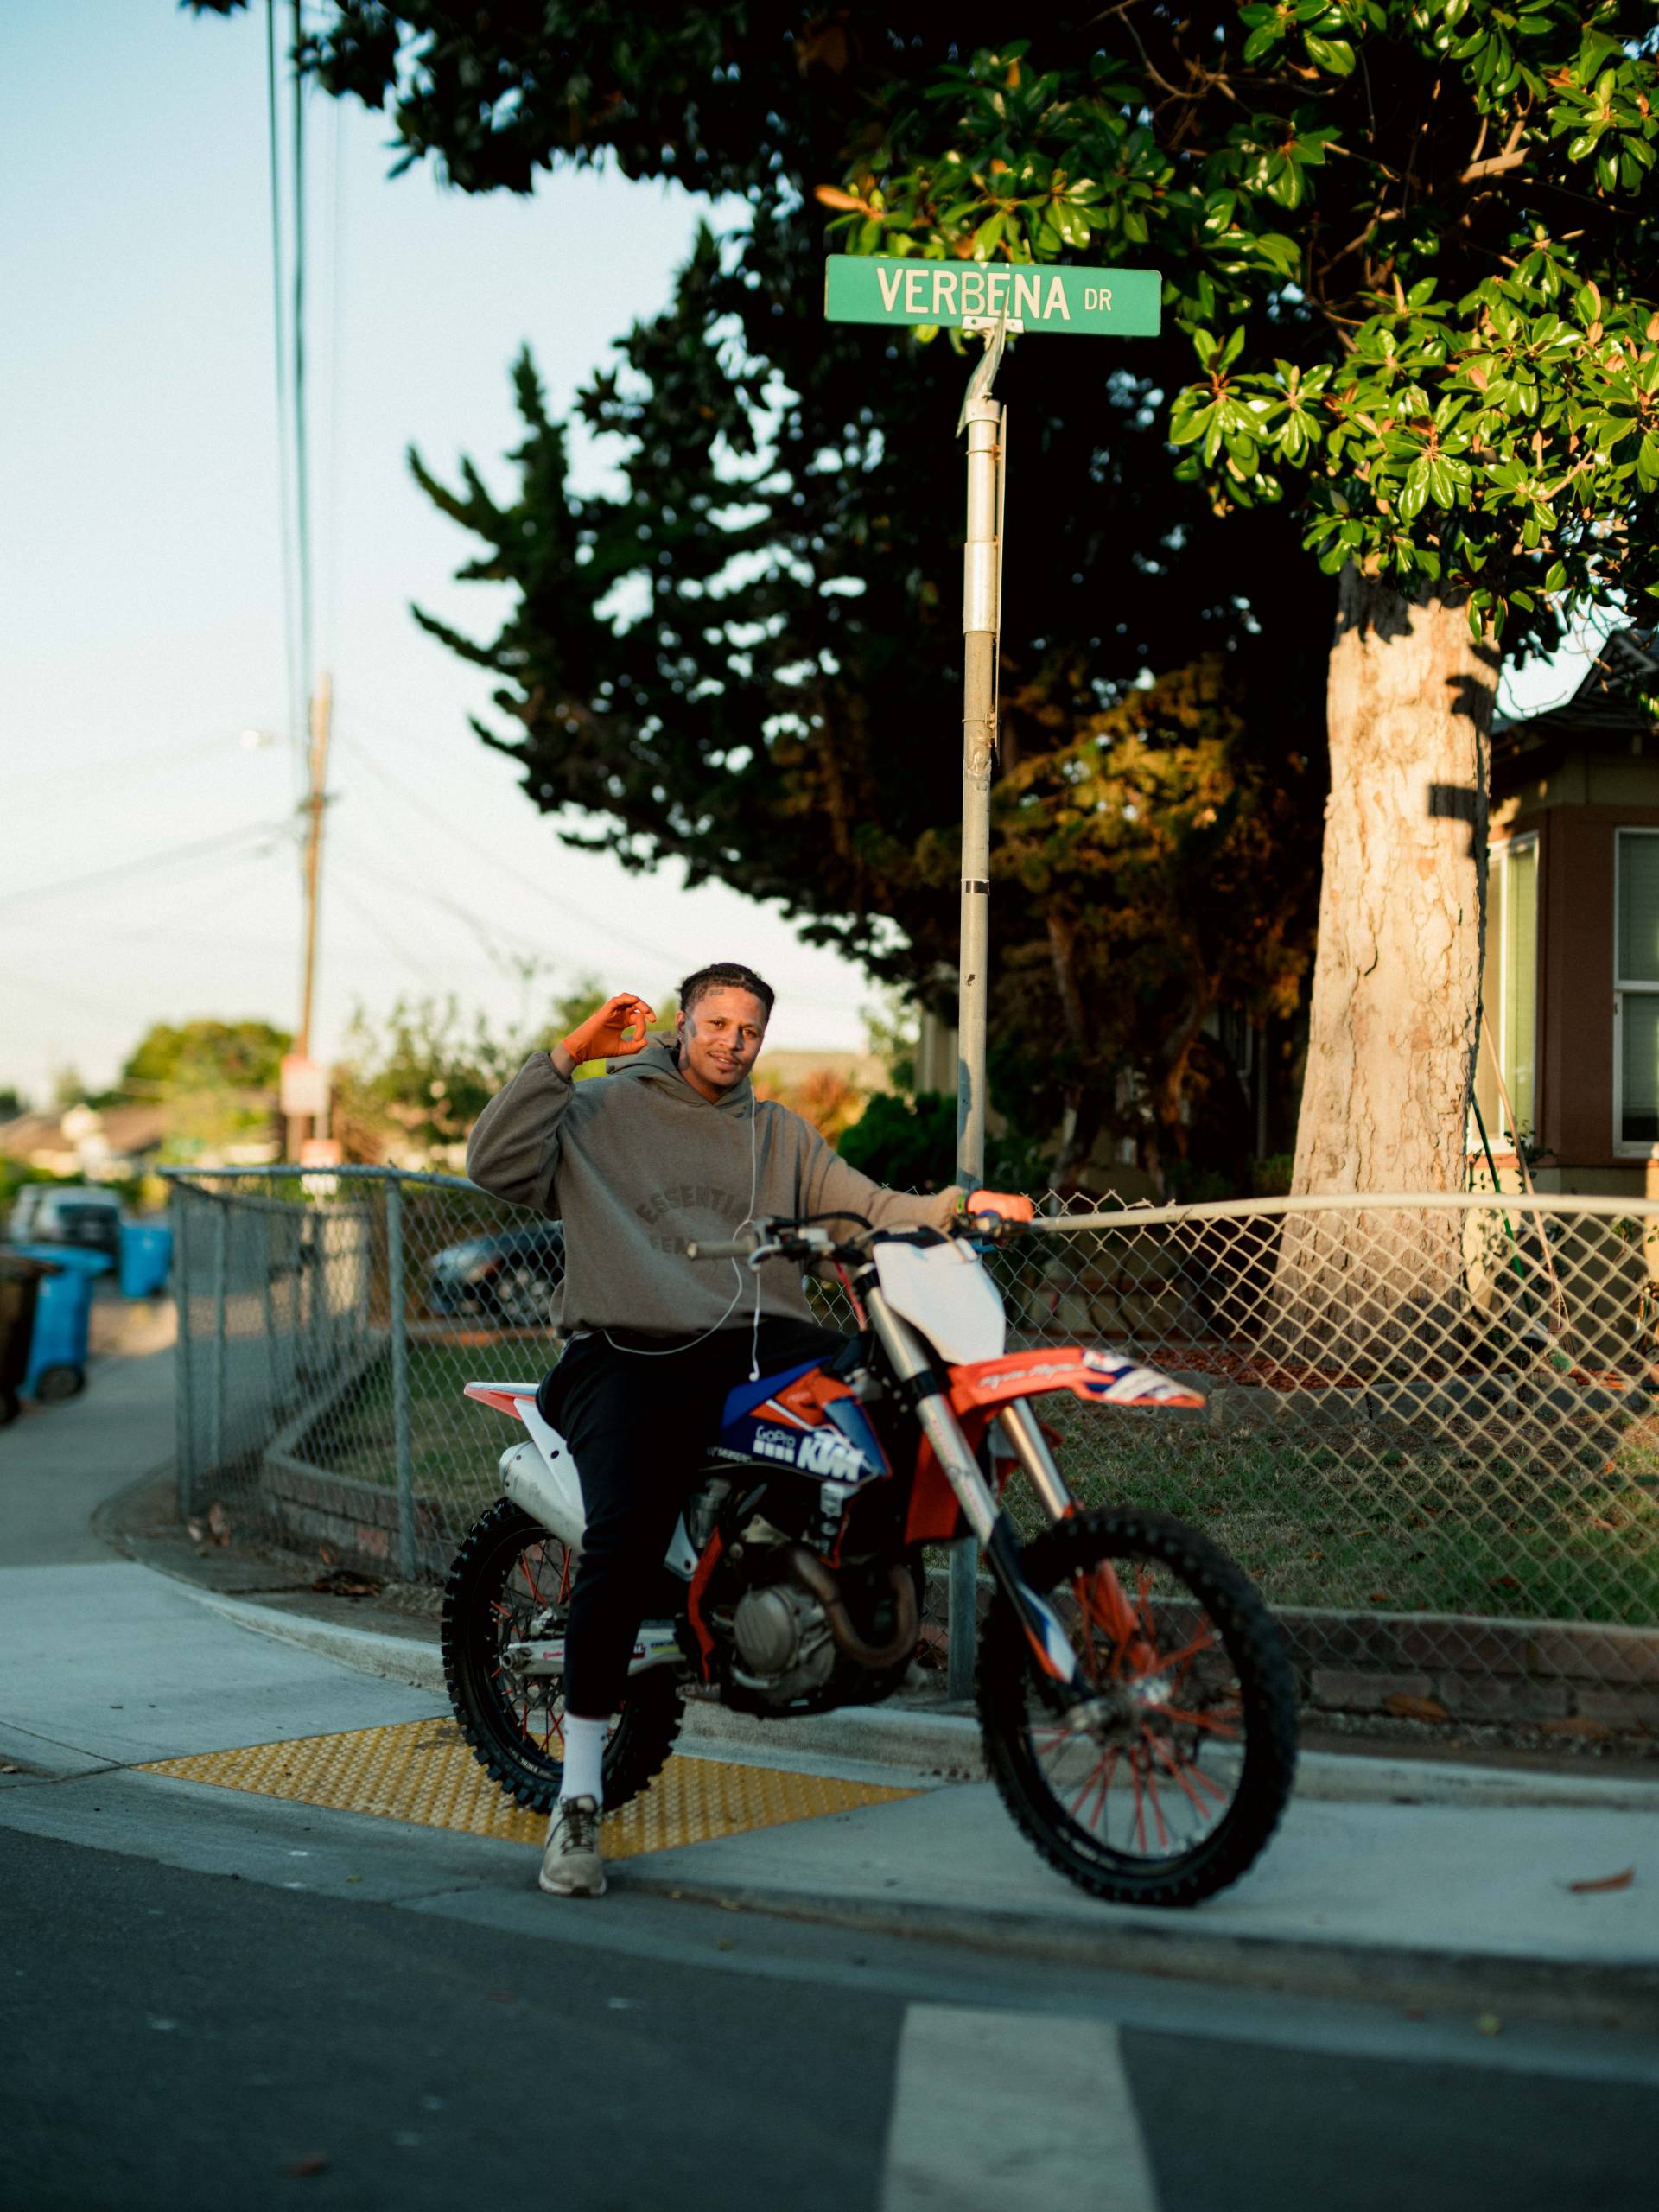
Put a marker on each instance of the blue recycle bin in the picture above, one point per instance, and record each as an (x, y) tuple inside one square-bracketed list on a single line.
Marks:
[(63, 1306), (146, 1258)]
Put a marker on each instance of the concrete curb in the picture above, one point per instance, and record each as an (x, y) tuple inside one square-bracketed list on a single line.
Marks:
[(947, 1745), (1572, 1991), (394, 1658)]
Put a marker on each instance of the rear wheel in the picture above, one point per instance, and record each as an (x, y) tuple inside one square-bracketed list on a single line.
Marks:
[(1167, 1785), (511, 1579), (54, 1385)]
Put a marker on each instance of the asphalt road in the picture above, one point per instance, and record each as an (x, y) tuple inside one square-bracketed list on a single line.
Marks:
[(209, 1999)]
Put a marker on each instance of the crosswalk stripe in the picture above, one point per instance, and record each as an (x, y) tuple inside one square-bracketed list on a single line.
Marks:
[(1004, 2112)]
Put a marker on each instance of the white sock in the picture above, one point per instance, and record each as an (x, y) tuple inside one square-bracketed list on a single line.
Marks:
[(584, 1753)]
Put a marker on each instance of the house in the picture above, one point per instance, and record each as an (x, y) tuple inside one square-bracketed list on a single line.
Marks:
[(109, 1143), (100, 1146), (1569, 1053)]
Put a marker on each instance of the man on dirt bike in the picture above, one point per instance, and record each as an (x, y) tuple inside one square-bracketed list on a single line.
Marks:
[(669, 1144)]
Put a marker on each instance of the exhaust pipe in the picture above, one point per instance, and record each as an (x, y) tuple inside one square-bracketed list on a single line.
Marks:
[(814, 1575)]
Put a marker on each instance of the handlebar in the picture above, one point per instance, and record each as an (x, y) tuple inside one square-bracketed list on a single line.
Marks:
[(805, 1242), (724, 1248)]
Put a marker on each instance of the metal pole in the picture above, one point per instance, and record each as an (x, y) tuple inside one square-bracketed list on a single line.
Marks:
[(221, 1238), (399, 1319), (322, 710), (184, 1417), (981, 581)]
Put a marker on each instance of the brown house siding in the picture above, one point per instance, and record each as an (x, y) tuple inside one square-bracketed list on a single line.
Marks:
[(1575, 1012)]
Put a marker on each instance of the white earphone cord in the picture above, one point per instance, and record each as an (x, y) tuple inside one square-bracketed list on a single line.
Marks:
[(673, 1351)]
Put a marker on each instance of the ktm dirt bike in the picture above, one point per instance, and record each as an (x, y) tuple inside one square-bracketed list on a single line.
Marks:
[(1137, 1707)]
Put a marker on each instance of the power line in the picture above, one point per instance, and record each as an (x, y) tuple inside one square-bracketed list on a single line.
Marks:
[(653, 952), (564, 906), (279, 330), (489, 934), (366, 913), (60, 997), (330, 574), (171, 858), (301, 458), (123, 763)]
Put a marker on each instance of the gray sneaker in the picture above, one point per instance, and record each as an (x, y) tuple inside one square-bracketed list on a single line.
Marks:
[(571, 1865)]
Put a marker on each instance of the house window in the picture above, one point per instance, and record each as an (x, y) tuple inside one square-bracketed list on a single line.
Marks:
[(1509, 995), (1635, 991)]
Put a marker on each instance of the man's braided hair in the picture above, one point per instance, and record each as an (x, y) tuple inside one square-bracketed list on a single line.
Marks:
[(726, 975)]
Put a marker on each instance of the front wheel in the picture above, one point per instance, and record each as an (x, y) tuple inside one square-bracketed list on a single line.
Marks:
[(511, 1580), (1164, 1785)]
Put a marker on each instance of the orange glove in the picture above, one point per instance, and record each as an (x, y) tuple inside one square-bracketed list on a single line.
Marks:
[(1000, 1203), (601, 1037)]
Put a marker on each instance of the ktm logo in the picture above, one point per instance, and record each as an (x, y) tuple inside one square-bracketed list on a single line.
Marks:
[(814, 1451)]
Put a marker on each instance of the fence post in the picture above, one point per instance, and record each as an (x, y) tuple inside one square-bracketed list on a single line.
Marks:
[(399, 1323), (221, 1239), (184, 1438)]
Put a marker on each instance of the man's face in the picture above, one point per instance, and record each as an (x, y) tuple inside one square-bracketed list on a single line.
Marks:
[(721, 1038)]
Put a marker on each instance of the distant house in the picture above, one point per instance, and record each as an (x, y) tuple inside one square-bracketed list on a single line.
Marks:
[(97, 1146), (110, 1143), (1569, 1056)]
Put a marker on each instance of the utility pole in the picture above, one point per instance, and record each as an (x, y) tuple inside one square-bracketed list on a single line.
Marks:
[(322, 712), (984, 419)]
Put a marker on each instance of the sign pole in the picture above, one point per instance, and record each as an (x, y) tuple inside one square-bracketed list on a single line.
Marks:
[(984, 420), (1001, 301)]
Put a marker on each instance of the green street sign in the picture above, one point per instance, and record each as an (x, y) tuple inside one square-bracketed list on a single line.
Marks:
[(1084, 302)]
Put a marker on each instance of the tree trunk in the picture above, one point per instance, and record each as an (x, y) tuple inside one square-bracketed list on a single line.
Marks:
[(1395, 1011)]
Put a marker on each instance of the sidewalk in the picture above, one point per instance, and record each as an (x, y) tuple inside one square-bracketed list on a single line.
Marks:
[(1415, 1882)]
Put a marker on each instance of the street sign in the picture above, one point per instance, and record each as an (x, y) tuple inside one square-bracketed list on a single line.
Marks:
[(304, 1087), (970, 295)]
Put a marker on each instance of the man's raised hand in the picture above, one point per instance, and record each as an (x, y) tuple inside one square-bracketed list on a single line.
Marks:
[(603, 1035)]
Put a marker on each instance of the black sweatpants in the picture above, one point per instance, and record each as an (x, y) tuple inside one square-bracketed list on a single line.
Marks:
[(639, 1427)]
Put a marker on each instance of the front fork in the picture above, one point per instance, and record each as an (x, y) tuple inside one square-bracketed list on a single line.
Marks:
[(998, 1541)]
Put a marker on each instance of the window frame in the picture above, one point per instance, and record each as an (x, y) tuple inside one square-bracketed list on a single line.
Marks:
[(1503, 1140), (1626, 1147)]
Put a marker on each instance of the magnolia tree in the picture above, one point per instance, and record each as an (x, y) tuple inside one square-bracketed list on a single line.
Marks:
[(1412, 244)]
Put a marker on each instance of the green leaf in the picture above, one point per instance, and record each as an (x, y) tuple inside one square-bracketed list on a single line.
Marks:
[(1334, 54)]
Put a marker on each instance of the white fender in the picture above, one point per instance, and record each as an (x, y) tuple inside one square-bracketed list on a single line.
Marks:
[(539, 1475)]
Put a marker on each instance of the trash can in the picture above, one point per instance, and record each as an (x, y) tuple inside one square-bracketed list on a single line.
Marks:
[(20, 1282), (146, 1258), (63, 1306)]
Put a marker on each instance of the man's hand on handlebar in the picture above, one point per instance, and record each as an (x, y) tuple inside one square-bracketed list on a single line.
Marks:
[(1001, 1206), (603, 1035)]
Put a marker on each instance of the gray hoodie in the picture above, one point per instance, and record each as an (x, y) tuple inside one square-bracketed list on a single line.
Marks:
[(637, 1164)]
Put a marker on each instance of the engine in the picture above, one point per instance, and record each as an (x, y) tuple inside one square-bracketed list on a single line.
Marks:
[(783, 1639), (792, 1636)]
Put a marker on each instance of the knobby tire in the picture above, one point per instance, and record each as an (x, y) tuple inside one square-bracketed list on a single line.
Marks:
[(472, 1630), (1053, 1563)]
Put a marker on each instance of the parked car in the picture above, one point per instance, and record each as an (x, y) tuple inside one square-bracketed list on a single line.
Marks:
[(513, 1278), (66, 1213)]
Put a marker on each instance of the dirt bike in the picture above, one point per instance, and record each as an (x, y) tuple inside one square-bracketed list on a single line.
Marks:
[(1137, 1707)]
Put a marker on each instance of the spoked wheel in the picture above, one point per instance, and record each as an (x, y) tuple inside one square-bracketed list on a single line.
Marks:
[(511, 1580), (1166, 1785)]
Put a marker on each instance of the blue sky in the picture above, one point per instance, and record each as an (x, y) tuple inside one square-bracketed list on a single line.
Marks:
[(140, 563), (140, 573)]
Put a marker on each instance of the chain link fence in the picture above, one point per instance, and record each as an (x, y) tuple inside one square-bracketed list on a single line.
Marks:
[(1431, 1434)]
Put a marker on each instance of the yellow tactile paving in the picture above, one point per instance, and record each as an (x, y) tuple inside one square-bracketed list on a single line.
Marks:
[(422, 1772)]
